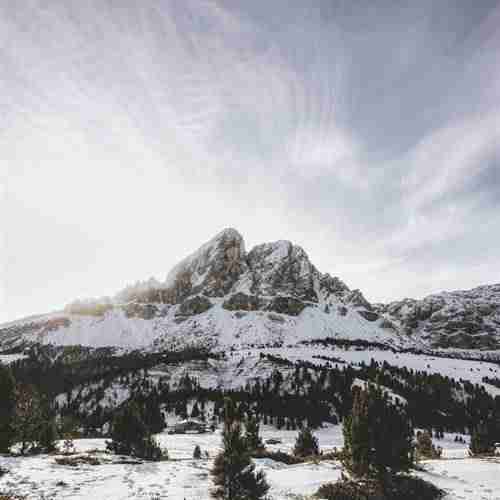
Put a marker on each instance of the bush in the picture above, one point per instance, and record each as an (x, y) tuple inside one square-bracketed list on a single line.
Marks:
[(76, 461), (344, 490), (279, 456), (197, 452), (398, 488), (414, 488)]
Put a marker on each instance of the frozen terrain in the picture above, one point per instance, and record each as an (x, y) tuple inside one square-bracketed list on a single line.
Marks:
[(184, 478)]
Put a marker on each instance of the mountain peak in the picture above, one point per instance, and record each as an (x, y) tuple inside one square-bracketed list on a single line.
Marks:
[(212, 269), (228, 232)]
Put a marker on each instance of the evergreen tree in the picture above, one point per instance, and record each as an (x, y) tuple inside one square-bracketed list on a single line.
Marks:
[(28, 418), (47, 430), (152, 414), (306, 443), (197, 452), (378, 437), (482, 441), (233, 472), (7, 408), (425, 448), (47, 437), (252, 437), (356, 431), (130, 436), (195, 411)]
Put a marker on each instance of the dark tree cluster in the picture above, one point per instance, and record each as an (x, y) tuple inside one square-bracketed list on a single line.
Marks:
[(26, 417)]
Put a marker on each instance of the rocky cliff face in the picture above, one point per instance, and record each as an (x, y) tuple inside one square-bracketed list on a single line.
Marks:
[(468, 319), (272, 294), (274, 276)]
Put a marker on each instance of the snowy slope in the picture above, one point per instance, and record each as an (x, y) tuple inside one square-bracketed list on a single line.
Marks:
[(221, 295), (216, 327)]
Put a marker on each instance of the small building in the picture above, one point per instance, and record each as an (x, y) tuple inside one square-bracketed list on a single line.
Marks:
[(189, 425)]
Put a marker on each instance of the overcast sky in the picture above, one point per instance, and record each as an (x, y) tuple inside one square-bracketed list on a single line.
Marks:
[(131, 131)]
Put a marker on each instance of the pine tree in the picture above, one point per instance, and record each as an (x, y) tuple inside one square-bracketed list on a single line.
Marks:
[(195, 411), (233, 472), (482, 441), (28, 418), (252, 437), (306, 443), (425, 448), (130, 436), (151, 413), (47, 431), (378, 437), (356, 430), (197, 452), (7, 408)]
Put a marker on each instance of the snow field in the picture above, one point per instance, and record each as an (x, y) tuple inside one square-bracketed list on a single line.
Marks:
[(184, 478)]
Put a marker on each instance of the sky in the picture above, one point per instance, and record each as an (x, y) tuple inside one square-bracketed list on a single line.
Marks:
[(131, 132)]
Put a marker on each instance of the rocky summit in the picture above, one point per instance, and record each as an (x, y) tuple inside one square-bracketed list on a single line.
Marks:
[(271, 295)]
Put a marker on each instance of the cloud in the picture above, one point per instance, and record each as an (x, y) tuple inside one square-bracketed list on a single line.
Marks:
[(367, 134)]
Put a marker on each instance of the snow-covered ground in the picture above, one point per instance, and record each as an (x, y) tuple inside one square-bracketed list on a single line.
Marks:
[(473, 371), (184, 478)]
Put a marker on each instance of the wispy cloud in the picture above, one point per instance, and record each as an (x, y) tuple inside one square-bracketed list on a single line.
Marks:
[(368, 134)]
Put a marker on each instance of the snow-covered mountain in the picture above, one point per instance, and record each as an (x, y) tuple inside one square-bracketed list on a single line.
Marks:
[(272, 295), (467, 319)]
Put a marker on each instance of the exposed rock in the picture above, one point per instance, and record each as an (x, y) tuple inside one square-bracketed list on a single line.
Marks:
[(463, 319), (368, 315), (286, 305), (138, 310), (89, 308), (387, 325), (55, 323), (213, 269), (342, 310), (242, 302), (356, 299), (333, 286), (282, 268), (276, 318), (194, 305)]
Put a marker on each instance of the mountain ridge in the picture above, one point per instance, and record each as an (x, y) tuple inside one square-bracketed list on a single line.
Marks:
[(222, 294)]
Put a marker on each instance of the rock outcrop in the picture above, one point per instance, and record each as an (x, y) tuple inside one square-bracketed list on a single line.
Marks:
[(212, 270), (468, 319)]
